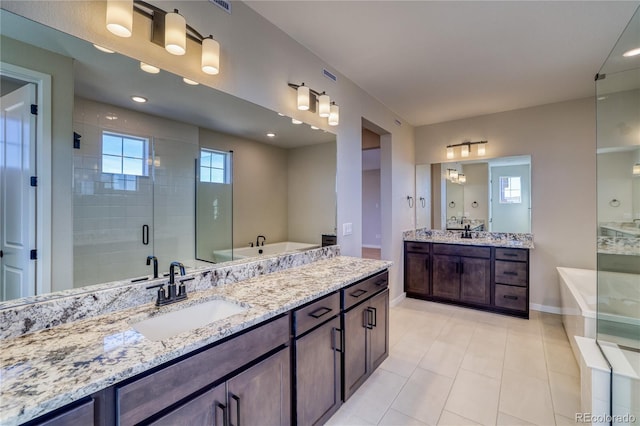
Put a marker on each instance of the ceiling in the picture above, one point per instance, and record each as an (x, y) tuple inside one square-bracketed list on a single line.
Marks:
[(436, 61)]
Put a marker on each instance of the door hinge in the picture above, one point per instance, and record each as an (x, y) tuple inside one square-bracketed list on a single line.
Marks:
[(34, 255), (34, 180), (34, 109)]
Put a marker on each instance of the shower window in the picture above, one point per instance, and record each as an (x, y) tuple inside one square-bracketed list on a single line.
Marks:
[(124, 155), (214, 166)]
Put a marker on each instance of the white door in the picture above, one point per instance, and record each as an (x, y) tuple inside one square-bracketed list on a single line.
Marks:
[(17, 196)]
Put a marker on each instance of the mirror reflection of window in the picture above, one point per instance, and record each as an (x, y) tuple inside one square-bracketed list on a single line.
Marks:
[(124, 154), (510, 190)]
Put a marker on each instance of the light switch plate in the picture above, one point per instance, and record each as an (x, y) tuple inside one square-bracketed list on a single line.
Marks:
[(347, 228)]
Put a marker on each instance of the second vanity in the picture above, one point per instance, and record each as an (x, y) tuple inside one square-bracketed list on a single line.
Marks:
[(306, 339), (489, 271)]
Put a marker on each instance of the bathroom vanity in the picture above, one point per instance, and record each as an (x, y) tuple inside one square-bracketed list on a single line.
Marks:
[(487, 272), (308, 337)]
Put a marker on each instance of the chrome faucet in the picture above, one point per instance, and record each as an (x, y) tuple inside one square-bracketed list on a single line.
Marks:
[(155, 265), (258, 240)]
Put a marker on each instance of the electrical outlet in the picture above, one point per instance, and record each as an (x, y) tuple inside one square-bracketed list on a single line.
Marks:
[(347, 228)]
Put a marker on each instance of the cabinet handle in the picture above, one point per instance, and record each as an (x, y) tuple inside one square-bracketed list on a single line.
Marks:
[(358, 293), (224, 414), (374, 316), (510, 254), (320, 312), (457, 268), (145, 235), (366, 322), (506, 296), (510, 273), (333, 340), (237, 400), (380, 281)]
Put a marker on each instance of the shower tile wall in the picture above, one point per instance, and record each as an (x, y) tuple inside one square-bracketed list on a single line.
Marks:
[(110, 210)]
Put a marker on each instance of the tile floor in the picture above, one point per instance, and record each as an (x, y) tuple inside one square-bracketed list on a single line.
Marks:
[(454, 366)]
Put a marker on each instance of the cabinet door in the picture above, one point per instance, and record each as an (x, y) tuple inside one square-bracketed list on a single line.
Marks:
[(318, 379), (446, 277), (355, 348), (80, 415), (475, 280), (379, 333), (206, 409), (261, 395), (417, 273)]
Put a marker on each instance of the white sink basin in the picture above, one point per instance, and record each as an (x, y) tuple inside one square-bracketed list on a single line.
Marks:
[(168, 325)]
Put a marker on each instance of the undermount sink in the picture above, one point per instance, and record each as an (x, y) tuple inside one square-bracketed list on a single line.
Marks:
[(167, 325)]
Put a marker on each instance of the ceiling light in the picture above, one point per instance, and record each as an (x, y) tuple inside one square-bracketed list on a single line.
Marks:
[(334, 115), (190, 82), (175, 33), (315, 128), (120, 17), (303, 98), (103, 49), (149, 68), (294, 121), (324, 108), (271, 135), (281, 114), (139, 99), (210, 56), (632, 52)]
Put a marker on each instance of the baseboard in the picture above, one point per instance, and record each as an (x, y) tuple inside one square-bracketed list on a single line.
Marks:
[(371, 246), (398, 299), (545, 308)]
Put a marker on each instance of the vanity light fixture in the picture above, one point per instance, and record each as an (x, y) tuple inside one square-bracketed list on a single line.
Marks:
[(103, 49), (452, 175), (190, 82), (636, 169), (465, 149), (462, 178), (307, 99), (139, 99), (632, 52), (149, 68), (168, 29)]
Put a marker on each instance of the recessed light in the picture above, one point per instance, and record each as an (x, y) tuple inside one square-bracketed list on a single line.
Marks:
[(294, 121), (315, 128), (632, 52), (271, 135), (190, 82), (281, 114), (602, 98), (139, 99), (103, 49), (149, 68), (111, 117)]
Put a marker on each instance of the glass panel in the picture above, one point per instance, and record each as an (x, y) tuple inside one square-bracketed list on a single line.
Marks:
[(205, 158), (111, 164), (111, 144), (205, 174)]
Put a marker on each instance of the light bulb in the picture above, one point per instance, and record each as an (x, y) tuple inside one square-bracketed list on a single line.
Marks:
[(334, 115), (481, 149), (462, 178), (464, 151), (175, 33), (324, 109), (632, 52), (303, 98), (190, 82), (120, 17), (210, 56), (450, 153), (139, 99)]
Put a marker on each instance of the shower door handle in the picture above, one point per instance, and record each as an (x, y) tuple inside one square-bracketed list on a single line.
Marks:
[(145, 235)]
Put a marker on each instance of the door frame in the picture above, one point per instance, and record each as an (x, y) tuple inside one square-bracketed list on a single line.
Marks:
[(43, 169)]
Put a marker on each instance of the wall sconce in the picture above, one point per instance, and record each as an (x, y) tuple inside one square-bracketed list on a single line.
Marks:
[(307, 98), (168, 29), (465, 149)]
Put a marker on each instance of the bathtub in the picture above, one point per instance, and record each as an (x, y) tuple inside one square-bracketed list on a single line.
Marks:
[(619, 304), (265, 250)]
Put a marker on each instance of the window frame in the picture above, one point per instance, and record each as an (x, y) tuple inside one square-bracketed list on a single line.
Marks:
[(144, 160), (226, 167)]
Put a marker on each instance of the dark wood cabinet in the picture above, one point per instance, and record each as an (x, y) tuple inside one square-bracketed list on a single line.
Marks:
[(78, 414), (210, 408), (495, 279), (416, 267)]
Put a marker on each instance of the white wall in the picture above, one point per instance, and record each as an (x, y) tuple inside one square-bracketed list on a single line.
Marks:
[(561, 141), (371, 226), (258, 60)]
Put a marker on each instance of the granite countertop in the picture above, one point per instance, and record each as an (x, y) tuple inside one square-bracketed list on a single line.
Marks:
[(479, 238), (47, 369)]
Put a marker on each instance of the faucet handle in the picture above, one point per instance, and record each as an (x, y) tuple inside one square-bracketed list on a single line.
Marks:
[(162, 295)]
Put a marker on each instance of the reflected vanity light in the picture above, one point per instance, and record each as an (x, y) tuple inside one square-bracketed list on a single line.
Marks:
[(465, 149), (307, 99), (168, 29), (632, 52), (103, 49), (149, 68), (190, 82), (315, 128), (462, 178), (139, 99)]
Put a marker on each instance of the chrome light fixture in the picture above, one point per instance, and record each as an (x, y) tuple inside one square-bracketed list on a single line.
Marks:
[(465, 149), (307, 99), (168, 29)]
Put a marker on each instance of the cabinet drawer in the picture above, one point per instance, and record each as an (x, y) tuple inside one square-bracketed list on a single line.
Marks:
[(514, 273), (364, 289), (459, 250), (511, 254), (510, 297), (416, 247), (316, 313), (151, 394), (79, 415)]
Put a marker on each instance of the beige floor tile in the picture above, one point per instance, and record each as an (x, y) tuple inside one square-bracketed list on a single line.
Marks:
[(443, 358), (375, 396), (448, 418), (485, 358), (526, 398), (396, 418), (554, 333), (565, 393), (474, 397), (526, 357), (560, 359), (423, 396), (406, 354), (457, 332), (493, 334), (547, 318), (523, 325), (507, 420)]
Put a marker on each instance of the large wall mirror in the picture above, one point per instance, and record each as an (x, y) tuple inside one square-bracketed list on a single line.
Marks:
[(486, 195), (191, 175)]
